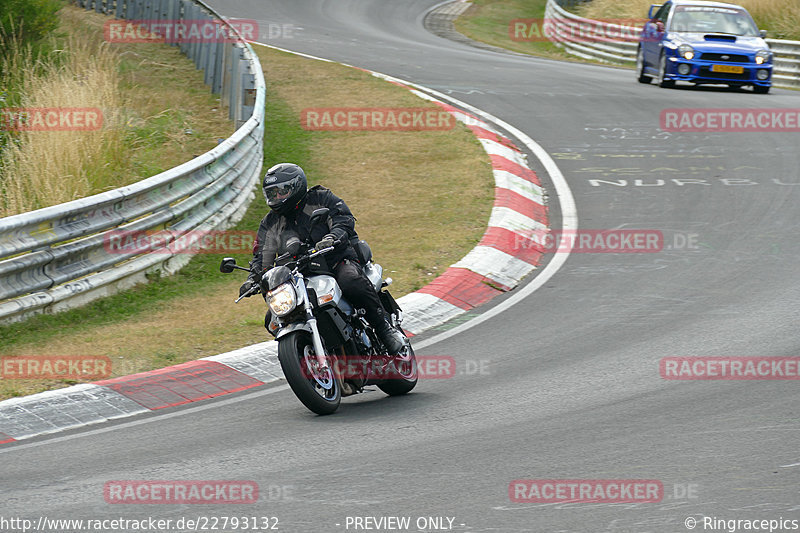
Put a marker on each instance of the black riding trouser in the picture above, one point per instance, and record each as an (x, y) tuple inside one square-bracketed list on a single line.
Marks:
[(358, 290)]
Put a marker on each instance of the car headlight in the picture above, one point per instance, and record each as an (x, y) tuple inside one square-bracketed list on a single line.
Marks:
[(282, 300), (686, 51), (763, 56)]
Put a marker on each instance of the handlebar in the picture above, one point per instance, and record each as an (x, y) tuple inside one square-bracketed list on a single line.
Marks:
[(253, 290), (312, 253)]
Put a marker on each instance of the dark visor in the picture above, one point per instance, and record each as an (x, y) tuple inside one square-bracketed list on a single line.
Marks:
[(280, 191)]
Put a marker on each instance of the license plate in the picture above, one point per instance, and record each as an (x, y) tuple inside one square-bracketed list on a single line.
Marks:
[(730, 69)]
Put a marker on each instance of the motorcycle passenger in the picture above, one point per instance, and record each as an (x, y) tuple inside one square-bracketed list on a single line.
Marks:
[(291, 205)]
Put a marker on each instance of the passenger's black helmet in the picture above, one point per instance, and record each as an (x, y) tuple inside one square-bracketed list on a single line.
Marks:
[(284, 187)]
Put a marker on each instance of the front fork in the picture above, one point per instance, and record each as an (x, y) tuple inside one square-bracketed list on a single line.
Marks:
[(316, 338)]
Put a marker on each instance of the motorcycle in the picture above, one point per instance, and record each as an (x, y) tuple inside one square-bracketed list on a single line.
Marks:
[(326, 347)]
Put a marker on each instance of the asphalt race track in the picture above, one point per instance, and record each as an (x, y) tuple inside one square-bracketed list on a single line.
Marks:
[(564, 385)]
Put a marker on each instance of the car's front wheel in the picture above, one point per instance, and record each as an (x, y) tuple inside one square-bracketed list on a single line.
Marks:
[(641, 77), (662, 73), (761, 89)]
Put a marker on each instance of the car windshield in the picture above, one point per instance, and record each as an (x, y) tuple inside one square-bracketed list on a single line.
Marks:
[(706, 19)]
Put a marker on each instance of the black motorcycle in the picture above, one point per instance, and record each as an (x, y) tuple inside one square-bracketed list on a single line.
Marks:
[(326, 347)]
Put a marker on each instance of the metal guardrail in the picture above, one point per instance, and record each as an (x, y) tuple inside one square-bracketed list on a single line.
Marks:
[(54, 258), (786, 69), (561, 27)]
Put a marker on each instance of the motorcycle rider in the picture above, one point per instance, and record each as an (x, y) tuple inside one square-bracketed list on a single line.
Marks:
[(291, 205)]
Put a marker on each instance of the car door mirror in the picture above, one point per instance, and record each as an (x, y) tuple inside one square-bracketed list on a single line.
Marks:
[(655, 7), (763, 33)]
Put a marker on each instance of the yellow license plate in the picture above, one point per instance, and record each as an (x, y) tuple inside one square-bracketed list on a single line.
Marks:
[(730, 69)]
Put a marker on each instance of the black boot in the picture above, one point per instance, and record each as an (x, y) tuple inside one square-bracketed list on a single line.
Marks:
[(392, 339)]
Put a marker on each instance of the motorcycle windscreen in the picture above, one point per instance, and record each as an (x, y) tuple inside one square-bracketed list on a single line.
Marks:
[(275, 277)]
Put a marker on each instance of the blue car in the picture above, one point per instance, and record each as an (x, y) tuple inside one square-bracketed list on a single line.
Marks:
[(703, 42)]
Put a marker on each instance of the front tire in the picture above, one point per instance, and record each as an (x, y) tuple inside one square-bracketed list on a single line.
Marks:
[(761, 89), (662, 73), (641, 76), (298, 361)]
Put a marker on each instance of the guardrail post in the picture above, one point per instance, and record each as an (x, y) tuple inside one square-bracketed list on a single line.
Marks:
[(172, 17), (211, 60), (194, 51), (248, 102), (225, 71), (185, 9), (202, 56), (129, 9), (219, 61), (233, 97)]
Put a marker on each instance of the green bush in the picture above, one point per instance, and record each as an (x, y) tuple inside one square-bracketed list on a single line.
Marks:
[(26, 21)]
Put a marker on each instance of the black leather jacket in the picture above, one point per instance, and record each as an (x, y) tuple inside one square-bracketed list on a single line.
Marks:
[(275, 230)]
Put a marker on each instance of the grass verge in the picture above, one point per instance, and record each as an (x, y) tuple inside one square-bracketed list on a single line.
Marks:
[(488, 21), (422, 200), (781, 18)]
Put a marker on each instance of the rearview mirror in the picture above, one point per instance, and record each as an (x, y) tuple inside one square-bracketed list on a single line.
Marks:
[(227, 265), (762, 33)]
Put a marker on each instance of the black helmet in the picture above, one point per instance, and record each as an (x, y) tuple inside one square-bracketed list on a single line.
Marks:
[(284, 187)]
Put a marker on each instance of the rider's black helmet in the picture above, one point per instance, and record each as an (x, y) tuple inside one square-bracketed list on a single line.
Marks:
[(284, 187)]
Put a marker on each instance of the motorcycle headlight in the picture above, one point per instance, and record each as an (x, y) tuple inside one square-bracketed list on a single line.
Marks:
[(282, 300), (763, 56), (686, 51)]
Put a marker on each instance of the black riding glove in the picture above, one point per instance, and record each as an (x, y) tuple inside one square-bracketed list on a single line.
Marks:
[(326, 242), (246, 286)]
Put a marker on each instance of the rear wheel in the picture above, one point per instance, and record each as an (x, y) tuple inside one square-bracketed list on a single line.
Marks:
[(319, 390), (662, 73), (402, 375), (641, 76)]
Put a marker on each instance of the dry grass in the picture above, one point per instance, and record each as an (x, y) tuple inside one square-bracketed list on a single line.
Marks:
[(157, 113), (780, 17), (49, 167)]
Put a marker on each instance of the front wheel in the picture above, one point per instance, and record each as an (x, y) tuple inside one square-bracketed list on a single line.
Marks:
[(761, 89), (319, 390), (662, 73), (641, 76)]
